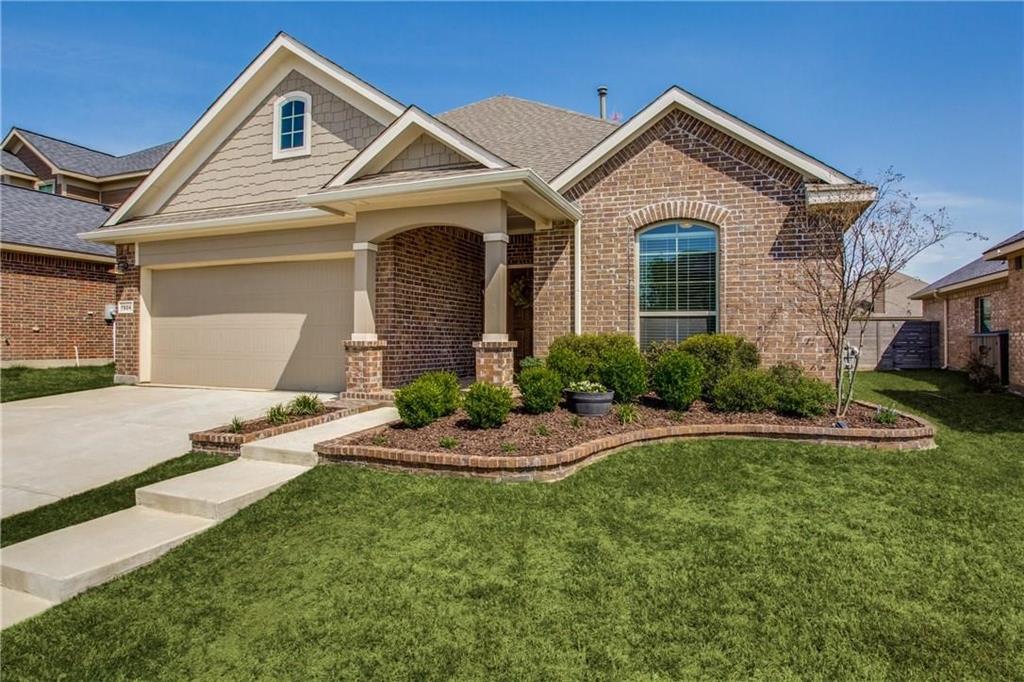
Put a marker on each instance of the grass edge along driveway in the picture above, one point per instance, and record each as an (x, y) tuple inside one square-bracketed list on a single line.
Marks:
[(21, 383), (719, 558)]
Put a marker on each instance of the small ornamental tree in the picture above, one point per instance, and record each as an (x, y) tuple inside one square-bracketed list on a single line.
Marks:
[(852, 251)]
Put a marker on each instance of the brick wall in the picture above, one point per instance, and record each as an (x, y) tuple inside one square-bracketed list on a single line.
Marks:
[(961, 318), (126, 352), (682, 168), (429, 302), (47, 302), (1015, 323)]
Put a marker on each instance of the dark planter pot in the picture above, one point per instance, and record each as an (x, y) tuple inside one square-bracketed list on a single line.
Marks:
[(589, 404)]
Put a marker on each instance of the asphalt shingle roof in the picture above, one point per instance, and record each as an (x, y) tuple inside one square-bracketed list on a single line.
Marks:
[(1009, 240), (973, 270), (10, 162), (34, 218), (529, 134), (78, 159)]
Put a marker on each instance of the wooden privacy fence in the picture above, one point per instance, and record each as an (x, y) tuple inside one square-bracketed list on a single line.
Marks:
[(898, 344)]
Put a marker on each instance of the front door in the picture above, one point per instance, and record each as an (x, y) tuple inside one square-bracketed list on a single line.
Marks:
[(520, 311)]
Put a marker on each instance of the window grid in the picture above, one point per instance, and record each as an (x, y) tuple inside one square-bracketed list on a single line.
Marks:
[(293, 124)]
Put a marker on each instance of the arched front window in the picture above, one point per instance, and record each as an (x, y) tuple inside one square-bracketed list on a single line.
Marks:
[(291, 125), (678, 282)]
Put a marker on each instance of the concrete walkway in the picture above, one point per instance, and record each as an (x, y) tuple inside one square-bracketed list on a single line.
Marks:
[(57, 446)]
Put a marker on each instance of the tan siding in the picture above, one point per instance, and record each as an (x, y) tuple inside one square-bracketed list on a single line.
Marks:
[(275, 244), (242, 171), (425, 152)]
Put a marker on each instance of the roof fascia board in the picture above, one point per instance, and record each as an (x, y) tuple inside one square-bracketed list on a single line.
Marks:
[(17, 174), (281, 43), (400, 134), (676, 97), (61, 253), (270, 220), (966, 284), (1004, 251)]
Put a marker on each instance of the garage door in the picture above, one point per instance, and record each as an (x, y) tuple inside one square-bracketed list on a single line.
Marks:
[(267, 325)]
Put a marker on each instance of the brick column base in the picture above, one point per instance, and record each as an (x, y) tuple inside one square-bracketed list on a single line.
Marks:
[(495, 362), (364, 371)]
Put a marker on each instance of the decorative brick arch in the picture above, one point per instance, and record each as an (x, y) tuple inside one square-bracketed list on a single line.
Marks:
[(679, 209)]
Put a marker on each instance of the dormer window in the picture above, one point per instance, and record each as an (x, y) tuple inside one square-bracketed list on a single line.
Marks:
[(292, 125)]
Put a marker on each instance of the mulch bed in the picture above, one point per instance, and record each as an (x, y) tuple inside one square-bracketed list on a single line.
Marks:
[(261, 423), (521, 430)]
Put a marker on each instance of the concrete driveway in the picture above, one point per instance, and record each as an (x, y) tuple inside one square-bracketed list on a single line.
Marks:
[(57, 446)]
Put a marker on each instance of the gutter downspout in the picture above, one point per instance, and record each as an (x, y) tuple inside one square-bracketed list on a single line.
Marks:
[(577, 290)]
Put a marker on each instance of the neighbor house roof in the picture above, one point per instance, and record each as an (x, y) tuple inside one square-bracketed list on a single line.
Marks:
[(10, 162), (529, 134), (39, 219), (75, 158), (1011, 244), (974, 272)]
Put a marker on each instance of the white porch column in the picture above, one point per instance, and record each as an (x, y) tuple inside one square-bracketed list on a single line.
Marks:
[(364, 289), (495, 287)]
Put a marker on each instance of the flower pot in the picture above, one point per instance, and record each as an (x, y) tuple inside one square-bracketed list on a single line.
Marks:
[(589, 404)]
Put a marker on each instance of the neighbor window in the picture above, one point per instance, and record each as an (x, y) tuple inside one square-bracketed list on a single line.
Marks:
[(49, 187), (291, 125), (982, 315), (678, 282)]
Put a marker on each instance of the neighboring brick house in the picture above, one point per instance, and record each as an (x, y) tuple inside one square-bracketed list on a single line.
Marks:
[(55, 285), (981, 299), (311, 232)]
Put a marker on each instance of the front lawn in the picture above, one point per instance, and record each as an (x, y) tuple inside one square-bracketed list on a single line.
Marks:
[(724, 559), (18, 383)]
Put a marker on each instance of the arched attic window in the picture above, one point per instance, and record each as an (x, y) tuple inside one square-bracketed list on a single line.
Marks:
[(678, 282), (292, 125)]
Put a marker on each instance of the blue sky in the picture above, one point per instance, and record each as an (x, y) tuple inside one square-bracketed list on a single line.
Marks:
[(935, 90)]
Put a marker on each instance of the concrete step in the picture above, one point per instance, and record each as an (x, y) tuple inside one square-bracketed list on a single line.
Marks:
[(59, 565), (16, 606), (218, 492), (297, 447)]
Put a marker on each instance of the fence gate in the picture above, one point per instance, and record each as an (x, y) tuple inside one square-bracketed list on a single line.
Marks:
[(899, 344)]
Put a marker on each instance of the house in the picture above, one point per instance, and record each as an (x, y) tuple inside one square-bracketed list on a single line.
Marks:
[(55, 287), (895, 302), (983, 298), (310, 231), (48, 164)]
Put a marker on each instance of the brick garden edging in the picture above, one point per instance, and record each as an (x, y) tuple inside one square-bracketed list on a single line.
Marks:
[(559, 465), (219, 440)]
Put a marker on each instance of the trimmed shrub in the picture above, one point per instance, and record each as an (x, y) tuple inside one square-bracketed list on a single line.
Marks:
[(611, 359), (487, 405), (530, 361), (655, 349), (721, 355), (676, 378), (428, 398), (306, 404), (541, 389), (799, 394), (745, 390)]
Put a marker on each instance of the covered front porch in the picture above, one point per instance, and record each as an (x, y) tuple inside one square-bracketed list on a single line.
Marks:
[(434, 255)]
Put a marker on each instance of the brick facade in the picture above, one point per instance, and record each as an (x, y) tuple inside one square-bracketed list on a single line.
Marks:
[(429, 305), (364, 367), (52, 304), (1015, 323), (961, 319), (126, 351), (495, 362), (683, 169)]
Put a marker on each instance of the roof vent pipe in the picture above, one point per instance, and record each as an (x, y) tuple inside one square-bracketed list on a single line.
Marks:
[(602, 99)]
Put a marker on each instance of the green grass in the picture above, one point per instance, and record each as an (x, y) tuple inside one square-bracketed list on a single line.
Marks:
[(99, 501), (19, 383), (718, 559)]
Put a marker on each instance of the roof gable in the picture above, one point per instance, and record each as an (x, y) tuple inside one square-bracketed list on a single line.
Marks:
[(407, 131), (68, 157), (677, 98), (283, 55), (40, 219)]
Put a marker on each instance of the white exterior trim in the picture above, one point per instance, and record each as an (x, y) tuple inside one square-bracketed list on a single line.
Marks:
[(112, 235), (496, 237), (1004, 251), (17, 174), (675, 97), (364, 246), (60, 253), (400, 135), (380, 104), (307, 125), (966, 284), (577, 268)]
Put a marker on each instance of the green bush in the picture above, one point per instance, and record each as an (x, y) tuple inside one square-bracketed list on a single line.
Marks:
[(306, 404), (799, 394), (627, 414), (611, 359), (745, 390), (541, 389), (720, 354), (887, 415), (655, 349), (529, 362), (428, 398), (676, 378), (487, 405), (277, 415)]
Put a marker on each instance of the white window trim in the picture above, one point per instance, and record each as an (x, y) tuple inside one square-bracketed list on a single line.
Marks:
[(307, 126), (716, 313)]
